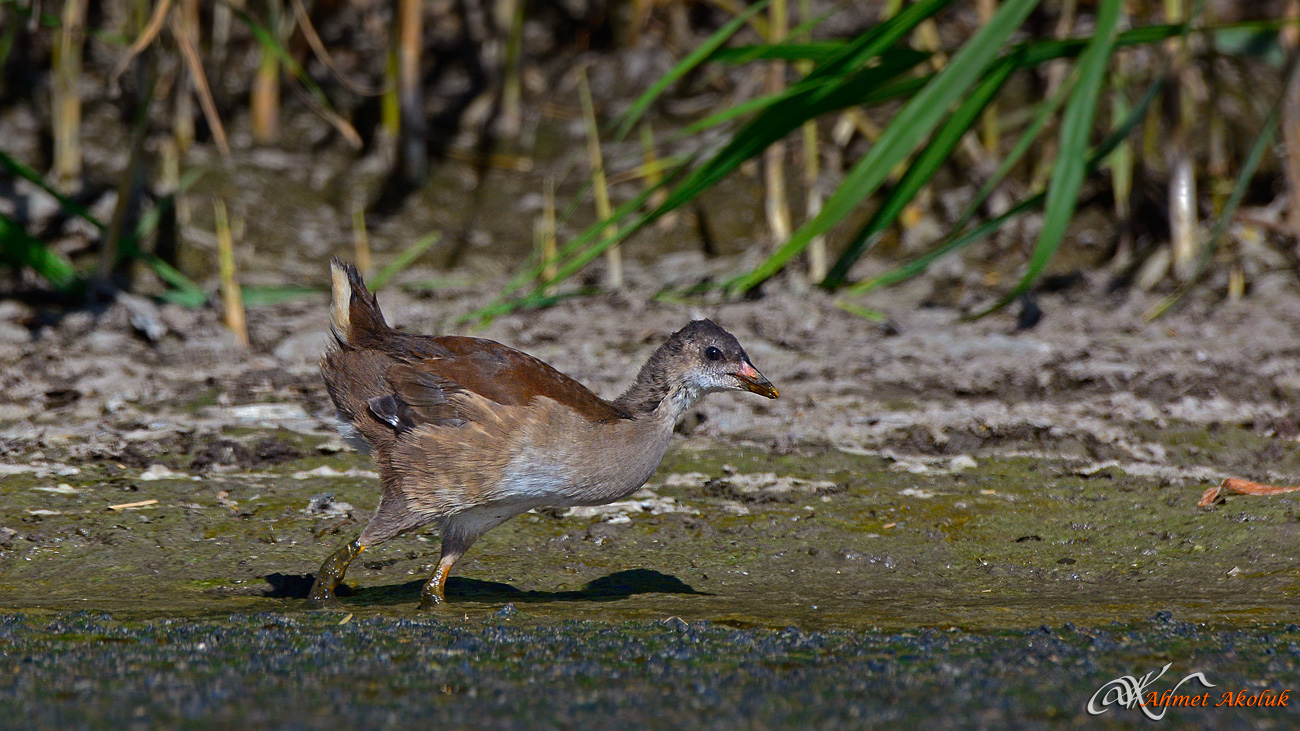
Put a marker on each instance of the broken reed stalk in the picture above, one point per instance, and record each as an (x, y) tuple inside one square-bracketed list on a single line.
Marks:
[(776, 205), (544, 234), (654, 175), (1182, 174), (132, 183), (265, 102), (190, 53), (1217, 162), (613, 255), (66, 96), (222, 19), (511, 14), (361, 242), (183, 123), (818, 265), (1290, 40), (413, 156), (231, 295), (1121, 171), (390, 102), (172, 239)]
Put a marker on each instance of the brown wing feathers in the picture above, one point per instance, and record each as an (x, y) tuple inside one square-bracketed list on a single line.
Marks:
[(388, 383)]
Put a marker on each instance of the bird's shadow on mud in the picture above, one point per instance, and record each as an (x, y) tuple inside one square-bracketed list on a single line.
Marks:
[(615, 586)]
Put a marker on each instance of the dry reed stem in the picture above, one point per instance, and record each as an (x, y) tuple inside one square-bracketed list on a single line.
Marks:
[(545, 234), (318, 47), (67, 95), (652, 171), (183, 121), (171, 180), (134, 505), (511, 13), (1121, 175), (151, 31), (206, 102), (548, 218), (1290, 38), (265, 102), (776, 203), (613, 255), (818, 263), (231, 295), (413, 153), (222, 19), (1182, 193)]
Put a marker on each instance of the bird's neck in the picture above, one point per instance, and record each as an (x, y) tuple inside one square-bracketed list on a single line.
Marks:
[(659, 397)]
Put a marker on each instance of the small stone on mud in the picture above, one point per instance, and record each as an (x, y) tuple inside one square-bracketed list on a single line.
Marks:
[(143, 316), (161, 472), (269, 414), (685, 479), (910, 466), (323, 504), (962, 462), (767, 487), (7, 536), (617, 513), (327, 471)]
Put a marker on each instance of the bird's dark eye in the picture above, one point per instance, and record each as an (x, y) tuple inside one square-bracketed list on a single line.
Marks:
[(712, 353)]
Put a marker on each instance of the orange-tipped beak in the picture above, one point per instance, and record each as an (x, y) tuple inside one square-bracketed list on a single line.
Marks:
[(754, 381)]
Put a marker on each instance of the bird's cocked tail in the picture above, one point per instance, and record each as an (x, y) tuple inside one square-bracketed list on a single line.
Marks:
[(354, 311)]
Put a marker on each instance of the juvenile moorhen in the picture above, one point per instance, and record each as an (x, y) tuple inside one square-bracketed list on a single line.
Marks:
[(469, 432)]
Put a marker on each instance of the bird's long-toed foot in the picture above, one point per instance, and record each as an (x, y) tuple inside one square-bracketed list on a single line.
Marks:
[(331, 573), (434, 591)]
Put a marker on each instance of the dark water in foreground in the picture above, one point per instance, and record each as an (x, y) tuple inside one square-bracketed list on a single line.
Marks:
[(509, 670)]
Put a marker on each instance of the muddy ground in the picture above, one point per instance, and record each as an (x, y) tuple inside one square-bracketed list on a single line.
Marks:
[(937, 520)]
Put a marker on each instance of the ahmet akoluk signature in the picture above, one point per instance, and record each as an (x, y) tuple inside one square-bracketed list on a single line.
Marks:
[(1130, 692)]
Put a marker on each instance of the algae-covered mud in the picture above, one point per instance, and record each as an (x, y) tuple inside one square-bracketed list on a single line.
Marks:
[(734, 535), (937, 521)]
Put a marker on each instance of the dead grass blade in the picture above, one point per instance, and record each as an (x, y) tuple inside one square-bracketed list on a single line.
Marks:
[(151, 31), (209, 106)]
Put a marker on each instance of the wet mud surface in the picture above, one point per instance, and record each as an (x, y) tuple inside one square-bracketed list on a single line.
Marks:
[(937, 521)]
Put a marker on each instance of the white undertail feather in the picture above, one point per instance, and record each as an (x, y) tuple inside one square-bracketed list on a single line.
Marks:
[(341, 303)]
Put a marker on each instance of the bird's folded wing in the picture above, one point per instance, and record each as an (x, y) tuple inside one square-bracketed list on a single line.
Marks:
[(428, 388)]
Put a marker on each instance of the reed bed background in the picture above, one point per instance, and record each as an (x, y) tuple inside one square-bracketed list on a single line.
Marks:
[(884, 136)]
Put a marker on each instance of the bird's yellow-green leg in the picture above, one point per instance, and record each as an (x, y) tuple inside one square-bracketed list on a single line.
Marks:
[(331, 572), (434, 591)]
